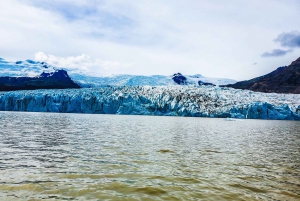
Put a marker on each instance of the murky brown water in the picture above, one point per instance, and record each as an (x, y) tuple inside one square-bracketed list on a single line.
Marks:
[(46, 156)]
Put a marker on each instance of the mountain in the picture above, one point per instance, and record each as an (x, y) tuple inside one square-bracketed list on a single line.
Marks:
[(25, 75), (31, 68), (54, 80), (282, 80), (194, 80)]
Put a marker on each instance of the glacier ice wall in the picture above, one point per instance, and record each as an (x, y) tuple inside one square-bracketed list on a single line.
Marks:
[(189, 101)]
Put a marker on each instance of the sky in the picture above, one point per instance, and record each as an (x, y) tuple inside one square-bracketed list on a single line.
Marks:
[(234, 39)]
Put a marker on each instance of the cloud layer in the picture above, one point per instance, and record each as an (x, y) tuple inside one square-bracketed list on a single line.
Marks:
[(276, 53), (291, 39), (81, 62), (212, 38)]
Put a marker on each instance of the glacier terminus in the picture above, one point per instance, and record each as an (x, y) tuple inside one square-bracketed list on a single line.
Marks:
[(188, 101)]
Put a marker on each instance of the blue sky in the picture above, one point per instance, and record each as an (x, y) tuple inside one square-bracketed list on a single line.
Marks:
[(237, 39)]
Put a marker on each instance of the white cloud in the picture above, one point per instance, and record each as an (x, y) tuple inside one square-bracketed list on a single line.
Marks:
[(82, 62)]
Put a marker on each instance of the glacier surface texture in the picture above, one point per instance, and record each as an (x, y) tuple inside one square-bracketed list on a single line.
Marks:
[(202, 101)]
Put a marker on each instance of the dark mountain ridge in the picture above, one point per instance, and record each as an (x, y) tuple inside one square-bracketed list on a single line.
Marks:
[(178, 78), (284, 79), (54, 80)]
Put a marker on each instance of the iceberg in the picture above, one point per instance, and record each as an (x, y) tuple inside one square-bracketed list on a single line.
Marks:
[(189, 101)]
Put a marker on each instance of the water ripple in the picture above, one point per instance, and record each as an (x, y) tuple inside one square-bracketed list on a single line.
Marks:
[(46, 156)]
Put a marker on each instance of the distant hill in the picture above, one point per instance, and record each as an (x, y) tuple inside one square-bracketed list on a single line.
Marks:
[(282, 80)]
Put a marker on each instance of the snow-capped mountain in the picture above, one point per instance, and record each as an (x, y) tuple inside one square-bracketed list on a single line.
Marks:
[(30, 68), (28, 75)]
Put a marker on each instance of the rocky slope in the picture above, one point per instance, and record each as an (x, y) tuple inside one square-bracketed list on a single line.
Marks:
[(202, 101), (282, 80)]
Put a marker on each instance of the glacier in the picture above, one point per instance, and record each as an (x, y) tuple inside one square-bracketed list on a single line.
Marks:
[(188, 101), (30, 68), (89, 81)]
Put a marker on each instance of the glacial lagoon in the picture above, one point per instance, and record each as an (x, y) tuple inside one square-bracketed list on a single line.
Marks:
[(57, 156)]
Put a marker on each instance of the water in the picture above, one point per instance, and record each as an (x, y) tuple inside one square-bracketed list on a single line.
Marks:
[(46, 156)]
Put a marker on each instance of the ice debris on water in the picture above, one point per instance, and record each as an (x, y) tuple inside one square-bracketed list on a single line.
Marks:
[(191, 101)]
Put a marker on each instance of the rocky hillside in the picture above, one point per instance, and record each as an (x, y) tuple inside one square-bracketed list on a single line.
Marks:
[(282, 80)]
